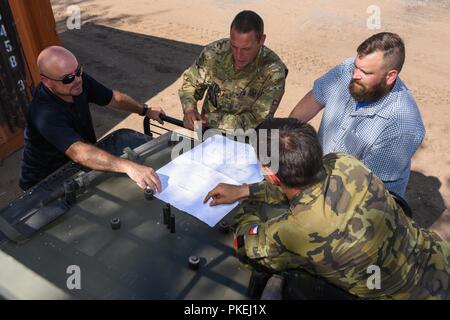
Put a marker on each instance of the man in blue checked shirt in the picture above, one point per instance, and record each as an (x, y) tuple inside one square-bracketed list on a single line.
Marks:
[(369, 111)]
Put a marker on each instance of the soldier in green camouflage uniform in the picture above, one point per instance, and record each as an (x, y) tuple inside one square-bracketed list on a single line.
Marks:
[(338, 226), (244, 79)]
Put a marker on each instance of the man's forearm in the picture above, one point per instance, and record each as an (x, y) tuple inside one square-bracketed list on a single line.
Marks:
[(187, 99), (189, 107), (192, 89), (96, 158), (123, 102), (306, 108), (262, 108)]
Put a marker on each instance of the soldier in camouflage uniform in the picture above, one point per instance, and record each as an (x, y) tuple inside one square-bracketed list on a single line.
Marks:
[(340, 221), (243, 78)]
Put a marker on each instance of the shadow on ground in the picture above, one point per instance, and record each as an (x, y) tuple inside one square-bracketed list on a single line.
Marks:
[(424, 198), (136, 64)]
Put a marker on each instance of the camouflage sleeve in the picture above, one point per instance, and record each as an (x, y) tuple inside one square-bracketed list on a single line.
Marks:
[(262, 243), (266, 192), (265, 105), (195, 81)]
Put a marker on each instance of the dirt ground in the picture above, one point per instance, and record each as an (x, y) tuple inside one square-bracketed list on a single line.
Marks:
[(142, 47)]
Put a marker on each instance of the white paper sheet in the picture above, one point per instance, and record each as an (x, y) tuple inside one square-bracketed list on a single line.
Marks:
[(187, 179)]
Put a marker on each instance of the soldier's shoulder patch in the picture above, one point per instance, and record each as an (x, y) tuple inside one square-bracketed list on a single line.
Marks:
[(253, 230)]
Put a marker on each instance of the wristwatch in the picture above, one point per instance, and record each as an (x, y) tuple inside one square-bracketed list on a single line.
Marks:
[(144, 110)]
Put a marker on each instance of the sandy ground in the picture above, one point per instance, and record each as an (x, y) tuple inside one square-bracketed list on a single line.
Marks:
[(142, 47)]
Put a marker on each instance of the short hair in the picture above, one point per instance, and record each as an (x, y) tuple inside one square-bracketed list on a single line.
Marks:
[(246, 21), (300, 158), (390, 44)]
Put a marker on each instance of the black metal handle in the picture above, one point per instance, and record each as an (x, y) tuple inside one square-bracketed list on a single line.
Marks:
[(146, 123), (171, 120)]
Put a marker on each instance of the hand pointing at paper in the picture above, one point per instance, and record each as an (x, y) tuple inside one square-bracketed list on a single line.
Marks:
[(225, 193)]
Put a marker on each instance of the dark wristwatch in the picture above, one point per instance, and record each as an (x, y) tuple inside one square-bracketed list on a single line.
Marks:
[(144, 111)]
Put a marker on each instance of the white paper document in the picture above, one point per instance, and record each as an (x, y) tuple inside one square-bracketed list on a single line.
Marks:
[(187, 179)]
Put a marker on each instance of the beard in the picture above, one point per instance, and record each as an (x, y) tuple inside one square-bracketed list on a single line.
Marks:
[(361, 92)]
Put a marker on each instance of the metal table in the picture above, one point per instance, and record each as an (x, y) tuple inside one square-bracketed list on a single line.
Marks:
[(141, 260)]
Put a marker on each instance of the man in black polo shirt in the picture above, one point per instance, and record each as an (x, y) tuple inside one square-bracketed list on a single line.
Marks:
[(59, 124)]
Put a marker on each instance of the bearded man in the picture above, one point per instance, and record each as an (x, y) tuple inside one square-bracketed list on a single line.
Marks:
[(368, 110)]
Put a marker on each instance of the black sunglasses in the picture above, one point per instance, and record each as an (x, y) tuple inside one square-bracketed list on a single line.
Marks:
[(68, 78)]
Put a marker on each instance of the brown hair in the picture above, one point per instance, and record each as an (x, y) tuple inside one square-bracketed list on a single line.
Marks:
[(300, 153), (390, 44), (246, 21)]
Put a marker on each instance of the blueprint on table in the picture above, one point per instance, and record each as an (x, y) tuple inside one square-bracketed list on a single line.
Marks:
[(187, 179)]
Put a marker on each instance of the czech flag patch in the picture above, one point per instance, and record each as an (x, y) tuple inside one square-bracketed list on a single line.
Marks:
[(253, 230)]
